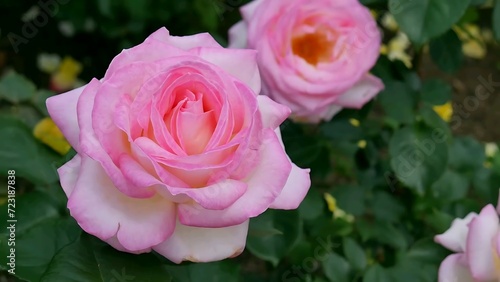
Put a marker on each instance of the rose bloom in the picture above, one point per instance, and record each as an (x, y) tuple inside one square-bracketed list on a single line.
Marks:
[(175, 150), (475, 240), (314, 55)]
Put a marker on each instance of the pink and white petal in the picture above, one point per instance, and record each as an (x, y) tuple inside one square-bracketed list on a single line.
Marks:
[(217, 196), (295, 190), (90, 145), (62, 110), (184, 42), (362, 92), (273, 114), (102, 210), (249, 9), (113, 241), (264, 186), (68, 174), (480, 244), (296, 187), (204, 244), (455, 237), (194, 41), (238, 36), (240, 63), (452, 270)]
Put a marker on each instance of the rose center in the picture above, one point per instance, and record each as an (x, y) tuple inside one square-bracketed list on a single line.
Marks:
[(312, 47)]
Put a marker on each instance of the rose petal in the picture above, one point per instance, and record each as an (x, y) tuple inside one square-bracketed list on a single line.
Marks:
[(217, 196), (204, 244), (295, 190), (238, 36), (362, 92), (264, 186), (113, 241), (480, 246), (184, 42), (249, 9), (90, 145), (240, 63), (273, 114), (68, 174), (455, 237), (452, 270), (296, 186), (62, 109), (101, 210)]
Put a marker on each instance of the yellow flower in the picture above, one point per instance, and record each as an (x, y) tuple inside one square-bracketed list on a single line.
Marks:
[(354, 122), (362, 144), (389, 22), (48, 63), (490, 149), (445, 111), (66, 77), (473, 43), (47, 132), (337, 212), (396, 49)]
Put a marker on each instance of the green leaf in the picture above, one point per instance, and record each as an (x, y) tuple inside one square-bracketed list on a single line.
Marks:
[(274, 247), (34, 248), (484, 184), (341, 130), (89, 259), (496, 20), (354, 254), (466, 154), (418, 156), (450, 187), (376, 273), (426, 251), (312, 206), (31, 209), (350, 198), (19, 151), (398, 101), (382, 232), (386, 208), (39, 101), (220, 271), (336, 268), (16, 88), (439, 220), (436, 92), (424, 19), (446, 51), (441, 130)]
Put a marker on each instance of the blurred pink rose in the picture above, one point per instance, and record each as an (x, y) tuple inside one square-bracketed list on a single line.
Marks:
[(175, 150), (476, 241), (314, 55)]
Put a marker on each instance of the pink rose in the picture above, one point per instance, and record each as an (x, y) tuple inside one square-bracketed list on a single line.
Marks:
[(175, 150), (314, 55), (476, 241)]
